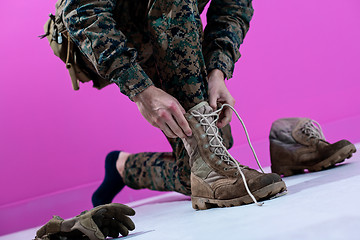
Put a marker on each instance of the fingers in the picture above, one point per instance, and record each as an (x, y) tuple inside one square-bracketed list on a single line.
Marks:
[(105, 231), (162, 110), (172, 122), (226, 115), (225, 118), (166, 130), (123, 209), (181, 121), (114, 233), (213, 101), (123, 230), (176, 128), (125, 220), (121, 212), (218, 93), (114, 219), (113, 228)]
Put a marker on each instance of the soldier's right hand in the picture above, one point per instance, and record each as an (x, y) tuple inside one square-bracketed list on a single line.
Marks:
[(163, 111)]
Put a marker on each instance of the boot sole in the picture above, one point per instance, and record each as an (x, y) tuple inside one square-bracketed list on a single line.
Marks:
[(264, 193), (338, 157)]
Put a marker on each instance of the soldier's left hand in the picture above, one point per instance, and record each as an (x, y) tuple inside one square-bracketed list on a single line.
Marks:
[(219, 93)]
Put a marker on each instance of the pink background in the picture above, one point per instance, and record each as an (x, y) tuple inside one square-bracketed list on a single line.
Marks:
[(300, 58)]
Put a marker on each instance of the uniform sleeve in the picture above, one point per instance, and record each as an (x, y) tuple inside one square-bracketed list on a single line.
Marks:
[(92, 27), (227, 24)]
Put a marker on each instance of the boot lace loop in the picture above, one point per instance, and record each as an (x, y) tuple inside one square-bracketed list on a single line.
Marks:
[(313, 130), (216, 140)]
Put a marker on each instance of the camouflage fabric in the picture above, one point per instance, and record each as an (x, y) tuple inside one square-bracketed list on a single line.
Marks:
[(137, 44), (168, 171)]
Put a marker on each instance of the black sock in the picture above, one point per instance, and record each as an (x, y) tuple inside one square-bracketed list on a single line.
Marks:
[(112, 183)]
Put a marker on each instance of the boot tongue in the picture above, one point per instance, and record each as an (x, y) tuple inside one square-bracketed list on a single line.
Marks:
[(203, 108)]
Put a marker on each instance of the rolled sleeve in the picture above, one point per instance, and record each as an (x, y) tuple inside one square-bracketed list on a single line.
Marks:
[(222, 61), (132, 81), (92, 27)]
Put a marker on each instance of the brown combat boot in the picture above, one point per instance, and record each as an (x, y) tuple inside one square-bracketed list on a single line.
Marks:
[(216, 178), (297, 144)]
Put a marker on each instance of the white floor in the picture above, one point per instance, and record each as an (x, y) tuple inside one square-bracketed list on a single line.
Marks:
[(322, 205)]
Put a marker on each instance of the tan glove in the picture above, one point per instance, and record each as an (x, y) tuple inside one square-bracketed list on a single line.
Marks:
[(96, 224)]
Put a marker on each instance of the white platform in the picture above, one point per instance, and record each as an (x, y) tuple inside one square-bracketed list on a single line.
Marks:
[(322, 205)]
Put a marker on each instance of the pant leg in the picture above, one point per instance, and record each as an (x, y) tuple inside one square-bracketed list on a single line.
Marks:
[(159, 171), (164, 171), (177, 66)]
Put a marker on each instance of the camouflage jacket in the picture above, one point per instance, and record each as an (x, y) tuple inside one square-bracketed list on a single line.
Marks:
[(93, 27)]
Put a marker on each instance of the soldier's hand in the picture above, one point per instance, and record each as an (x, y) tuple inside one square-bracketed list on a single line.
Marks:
[(218, 93), (163, 111)]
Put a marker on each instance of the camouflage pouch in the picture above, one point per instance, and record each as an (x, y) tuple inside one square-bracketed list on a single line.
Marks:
[(79, 67)]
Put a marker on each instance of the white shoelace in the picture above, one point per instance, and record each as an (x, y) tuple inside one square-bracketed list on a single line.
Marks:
[(217, 142)]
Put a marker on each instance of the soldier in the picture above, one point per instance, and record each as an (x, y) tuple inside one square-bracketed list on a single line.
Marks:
[(158, 54)]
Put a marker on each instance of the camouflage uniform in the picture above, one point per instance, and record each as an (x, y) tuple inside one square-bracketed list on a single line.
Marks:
[(136, 44)]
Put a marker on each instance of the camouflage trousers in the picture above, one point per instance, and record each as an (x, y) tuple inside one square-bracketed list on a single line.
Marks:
[(167, 35)]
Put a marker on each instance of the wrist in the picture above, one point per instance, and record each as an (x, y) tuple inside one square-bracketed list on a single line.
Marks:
[(140, 96), (217, 73)]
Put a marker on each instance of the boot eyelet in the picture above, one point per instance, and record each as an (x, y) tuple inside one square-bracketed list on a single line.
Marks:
[(212, 156), (219, 162), (206, 146), (189, 117), (236, 173), (197, 125), (225, 169), (203, 136)]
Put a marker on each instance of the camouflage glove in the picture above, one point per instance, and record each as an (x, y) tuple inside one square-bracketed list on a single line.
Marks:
[(96, 224)]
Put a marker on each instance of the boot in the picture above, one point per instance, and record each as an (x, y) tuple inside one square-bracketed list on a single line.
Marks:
[(217, 180), (297, 144)]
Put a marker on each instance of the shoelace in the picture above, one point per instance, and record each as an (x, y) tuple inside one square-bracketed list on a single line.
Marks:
[(313, 130), (217, 142)]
